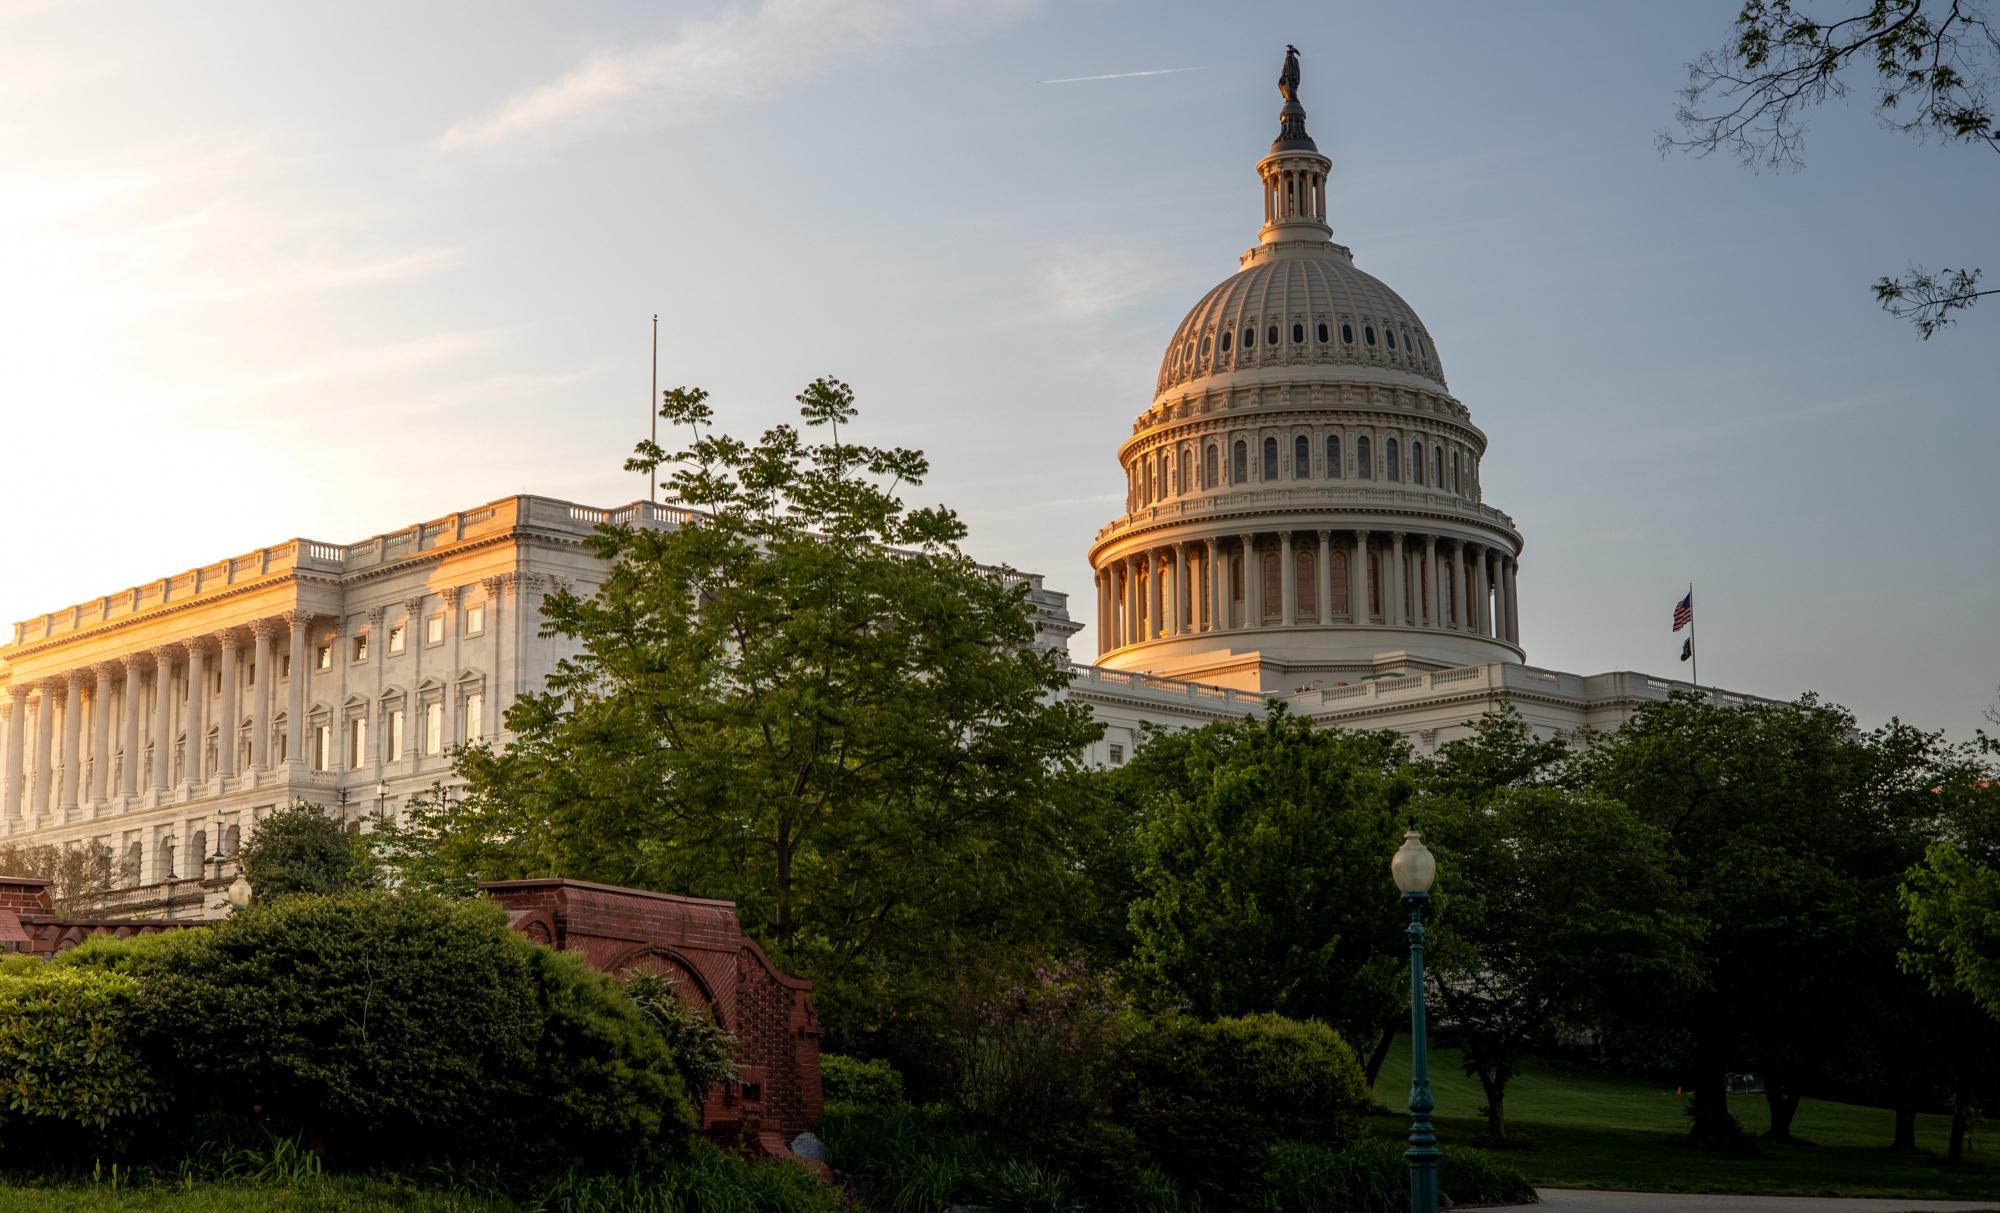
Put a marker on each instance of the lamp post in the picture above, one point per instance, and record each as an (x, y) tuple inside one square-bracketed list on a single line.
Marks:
[(1414, 870)]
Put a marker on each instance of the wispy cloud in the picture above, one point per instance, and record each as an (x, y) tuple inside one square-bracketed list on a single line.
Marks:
[(1155, 71), (742, 53), (1089, 285)]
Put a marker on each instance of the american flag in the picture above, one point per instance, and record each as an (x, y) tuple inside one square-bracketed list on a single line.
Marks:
[(1684, 611)]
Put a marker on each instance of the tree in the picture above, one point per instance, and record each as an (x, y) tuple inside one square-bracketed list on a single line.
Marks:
[(1552, 904), (302, 849), (1952, 901), (80, 875), (804, 698), (1262, 879), (1935, 63)]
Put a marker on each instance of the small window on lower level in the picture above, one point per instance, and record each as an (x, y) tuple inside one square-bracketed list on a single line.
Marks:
[(1117, 754)]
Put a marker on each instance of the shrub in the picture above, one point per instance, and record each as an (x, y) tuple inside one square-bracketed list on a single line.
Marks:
[(69, 1059), (302, 849), (1373, 1177), (1040, 1051), (702, 1051), (1208, 1099), (1104, 1162), (847, 1079), (705, 1181)]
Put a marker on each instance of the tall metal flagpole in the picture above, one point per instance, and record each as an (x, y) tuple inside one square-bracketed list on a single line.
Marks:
[(1694, 650), (653, 411)]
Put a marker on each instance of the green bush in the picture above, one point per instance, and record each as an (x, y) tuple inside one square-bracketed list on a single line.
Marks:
[(707, 1181), (703, 1052), (1373, 1177), (302, 849), (847, 1079), (1208, 1099), (70, 1060), (1104, 1162)]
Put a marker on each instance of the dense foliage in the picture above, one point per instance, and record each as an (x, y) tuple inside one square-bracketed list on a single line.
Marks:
[(72, 1074), (845, 1079), (703, 1051), (80, 875), (302, 848)]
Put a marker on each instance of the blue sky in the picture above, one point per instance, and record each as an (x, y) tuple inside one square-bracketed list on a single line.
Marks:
[(276, 270)]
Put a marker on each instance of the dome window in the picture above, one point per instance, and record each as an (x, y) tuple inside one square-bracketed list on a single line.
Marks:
[(1225, 341), (1301, 458), (1322, 332), (1368, 334), (1390, 463), (1298, 334), (1347, 334), (1362, 461), (1333, 456), (1271, 335), (1390, 336), (1204, 345), (1249, 336), (1239, 463), (1417, 462), (1209, 474), (1270, 459)]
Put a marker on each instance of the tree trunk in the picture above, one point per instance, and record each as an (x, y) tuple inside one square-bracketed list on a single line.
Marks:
[(1961, 1109), (1381, 1052), (1906, 1127), (1784, 1106), (1496, 1108), (1713, 1125)]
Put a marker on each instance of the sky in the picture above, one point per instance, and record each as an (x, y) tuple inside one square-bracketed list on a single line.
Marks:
[(282, 270)]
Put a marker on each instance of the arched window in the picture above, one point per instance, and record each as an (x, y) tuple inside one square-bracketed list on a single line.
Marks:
[(1374, 583), (1336, 573), (1271, 593), (1151, 482), (1239, 463), (1301, 458), (1363, 466), (1249, 336), (1390, 463), (1368, 333), (1209, 475), (1347, 334), (1389, 335), (1308, 584), (1298, 334), (1333, 456), (1270, 459), (1187, 471), (1437, 466), (1417, 462), (1271, 335), (1225, 341), (1322, 332), (1454, 471), (1205, 338)]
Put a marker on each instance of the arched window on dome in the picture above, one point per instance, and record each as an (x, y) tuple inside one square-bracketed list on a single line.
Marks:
[(1166, 469), (1417, 461), (1271, 592), (1249, 336), (1336, 575), (1389, 336), (1270, 459), (1298, 334), (1437, 466), (1308, 584), (1363, 466), (1322, 332), (1209, 474), (1301, 458), (1454, 471), (1271, 335), (1205, 339), (1333, 456), (1239, 462), (1225, 341), (1347, 334), (1368, 333), (1390, 463), (1187, 471)]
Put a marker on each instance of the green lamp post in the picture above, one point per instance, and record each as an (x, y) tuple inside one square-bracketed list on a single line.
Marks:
[(1414, 869)]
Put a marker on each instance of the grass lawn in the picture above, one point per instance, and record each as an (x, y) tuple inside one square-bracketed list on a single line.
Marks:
[(341, 1195), (1572, 1126)]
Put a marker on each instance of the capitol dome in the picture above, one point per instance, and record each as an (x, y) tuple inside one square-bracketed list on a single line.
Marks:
[(1302, 503)]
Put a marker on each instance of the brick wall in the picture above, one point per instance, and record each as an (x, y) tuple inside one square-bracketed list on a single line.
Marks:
[(28, 922)]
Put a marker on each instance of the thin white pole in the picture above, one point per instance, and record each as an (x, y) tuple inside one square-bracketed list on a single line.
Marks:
[(1694, 650), (653, 412)]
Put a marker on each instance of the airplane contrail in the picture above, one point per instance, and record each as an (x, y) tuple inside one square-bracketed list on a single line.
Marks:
[(1158, 71)]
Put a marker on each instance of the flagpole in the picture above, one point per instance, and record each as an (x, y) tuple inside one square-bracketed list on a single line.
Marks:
[(653, 411), (1694, 649)]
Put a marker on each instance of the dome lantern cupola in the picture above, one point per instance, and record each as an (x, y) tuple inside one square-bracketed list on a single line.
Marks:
[(1294, 174)]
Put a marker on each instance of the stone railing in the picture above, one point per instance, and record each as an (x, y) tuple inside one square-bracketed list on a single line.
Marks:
[(1320, 498), (1085, 676)]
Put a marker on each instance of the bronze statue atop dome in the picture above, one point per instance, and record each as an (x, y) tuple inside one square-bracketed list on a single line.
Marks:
[(1288, 76)]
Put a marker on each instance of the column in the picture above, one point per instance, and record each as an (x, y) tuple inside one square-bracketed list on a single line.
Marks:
[(1399, 580), (1288, 579), (1461, 594), (100, 734), (1482, 606), (163, 719), (45, 724), (1325, 573), (1155, 594), (1357, 579), (72, 740), (1499, 597), (299, 622), (226, 714), (1185, 608), (1214, 619), (17, 749), (1431, 600), (261, 665), (197, 713), (1513, 603), (128, 709), (1253, 600)]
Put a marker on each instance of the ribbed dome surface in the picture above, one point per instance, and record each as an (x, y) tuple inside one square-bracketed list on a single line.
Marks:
[(1314, 309)]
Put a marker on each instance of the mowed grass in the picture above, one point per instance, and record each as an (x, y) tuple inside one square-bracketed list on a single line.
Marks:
[(1572, 1126), (326, 1196)]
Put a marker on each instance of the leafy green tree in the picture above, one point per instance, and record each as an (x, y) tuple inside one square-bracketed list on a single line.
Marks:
[(804, 698), (302, 849), (1261, 873), (1952, 903), (1552, 904), (80, 875), (1934, 65)]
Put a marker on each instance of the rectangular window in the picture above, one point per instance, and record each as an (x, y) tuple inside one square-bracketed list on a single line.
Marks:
[(395, 735), (323, 659), (357, 743), (475, 716), (396, 639), (434, 629), (284, 666), (322, 747), (433, 729), (282, 743), (361, 647), (475, 619), (1117, 754)]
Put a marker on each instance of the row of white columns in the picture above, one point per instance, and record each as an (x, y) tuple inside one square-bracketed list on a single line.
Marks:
[(1216, 584)]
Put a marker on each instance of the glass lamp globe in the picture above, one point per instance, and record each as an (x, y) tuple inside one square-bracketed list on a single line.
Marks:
[(1413, 866), (239, 892)]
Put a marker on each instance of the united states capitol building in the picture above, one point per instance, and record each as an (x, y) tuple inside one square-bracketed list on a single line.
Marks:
[(1303, 522)]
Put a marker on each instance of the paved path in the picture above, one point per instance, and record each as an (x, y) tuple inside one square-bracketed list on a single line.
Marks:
[(1571, 1200)]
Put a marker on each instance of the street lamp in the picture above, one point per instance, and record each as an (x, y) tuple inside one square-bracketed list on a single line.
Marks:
[(1414, 870)]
